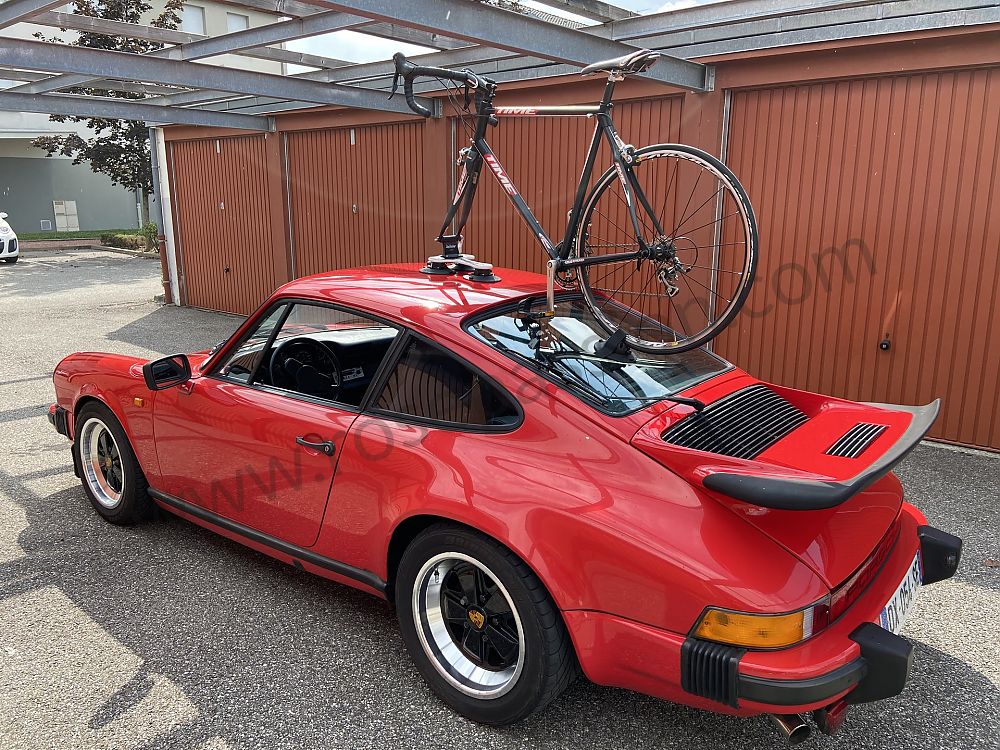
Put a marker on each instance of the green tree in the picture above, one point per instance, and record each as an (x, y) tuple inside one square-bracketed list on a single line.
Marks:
[(116, 148)]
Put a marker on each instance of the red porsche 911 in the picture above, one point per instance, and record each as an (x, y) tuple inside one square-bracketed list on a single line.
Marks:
[(534, 502)]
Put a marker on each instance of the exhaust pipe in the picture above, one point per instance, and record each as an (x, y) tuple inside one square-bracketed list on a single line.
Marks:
[(792, 726)]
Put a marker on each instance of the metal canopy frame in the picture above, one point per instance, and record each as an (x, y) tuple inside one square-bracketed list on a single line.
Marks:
[(500, 38)]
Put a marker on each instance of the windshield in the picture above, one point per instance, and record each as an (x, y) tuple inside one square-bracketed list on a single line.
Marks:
[(564, 348)]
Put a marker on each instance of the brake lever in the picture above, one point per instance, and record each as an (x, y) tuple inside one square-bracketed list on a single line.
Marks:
[(395, 84)]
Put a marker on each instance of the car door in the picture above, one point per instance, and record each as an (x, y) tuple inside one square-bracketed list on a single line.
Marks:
[(246, 442)]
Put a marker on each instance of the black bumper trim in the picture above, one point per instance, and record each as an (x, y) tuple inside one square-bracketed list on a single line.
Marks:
[(711, 670), (59, 419), (940, 554), (889, 658), (799, 692)]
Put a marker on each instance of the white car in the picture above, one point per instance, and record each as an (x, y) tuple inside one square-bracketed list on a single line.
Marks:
[(8, 241)]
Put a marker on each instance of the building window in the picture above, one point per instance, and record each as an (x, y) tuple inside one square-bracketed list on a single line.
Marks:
[(237, 22), (193, 19)]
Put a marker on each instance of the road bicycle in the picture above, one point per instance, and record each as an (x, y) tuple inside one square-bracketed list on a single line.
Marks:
[(662, 246)]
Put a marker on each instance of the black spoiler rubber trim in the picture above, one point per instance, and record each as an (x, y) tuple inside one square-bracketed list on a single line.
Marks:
[(802, 494)]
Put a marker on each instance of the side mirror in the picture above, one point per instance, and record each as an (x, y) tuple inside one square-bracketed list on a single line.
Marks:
[(161, 374)]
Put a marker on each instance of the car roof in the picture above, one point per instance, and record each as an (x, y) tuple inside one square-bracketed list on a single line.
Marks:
[(402, 293)]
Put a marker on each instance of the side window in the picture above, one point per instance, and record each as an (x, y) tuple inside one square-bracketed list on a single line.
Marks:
[(326, 353), (430, 383), (239, 366)]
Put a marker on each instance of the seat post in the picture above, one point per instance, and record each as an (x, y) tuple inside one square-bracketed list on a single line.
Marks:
[(613, 78)]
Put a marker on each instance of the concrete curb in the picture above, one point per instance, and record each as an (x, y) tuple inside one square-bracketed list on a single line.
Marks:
[(83, 245)]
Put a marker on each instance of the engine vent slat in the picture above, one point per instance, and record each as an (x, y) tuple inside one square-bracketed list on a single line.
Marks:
[(743, 424), (856, 440)]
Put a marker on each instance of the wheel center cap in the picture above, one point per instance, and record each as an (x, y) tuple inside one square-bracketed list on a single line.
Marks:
[(477, 618)]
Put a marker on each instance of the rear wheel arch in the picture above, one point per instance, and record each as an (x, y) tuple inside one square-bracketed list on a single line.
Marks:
[(547, 653), (409, 528)]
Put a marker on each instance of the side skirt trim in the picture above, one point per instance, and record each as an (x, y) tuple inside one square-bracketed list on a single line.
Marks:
[(298, 553)]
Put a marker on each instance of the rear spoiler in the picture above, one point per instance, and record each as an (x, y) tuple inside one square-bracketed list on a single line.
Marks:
[(802, 494)]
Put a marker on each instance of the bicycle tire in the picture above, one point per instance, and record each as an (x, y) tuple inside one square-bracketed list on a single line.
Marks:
[(598, 298)]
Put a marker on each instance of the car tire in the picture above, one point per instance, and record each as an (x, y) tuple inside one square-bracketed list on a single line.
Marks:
[(110, 472), (470, 663), (11, 260)]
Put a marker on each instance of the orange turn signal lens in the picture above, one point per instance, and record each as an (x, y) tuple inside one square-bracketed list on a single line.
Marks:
[(755, 631)]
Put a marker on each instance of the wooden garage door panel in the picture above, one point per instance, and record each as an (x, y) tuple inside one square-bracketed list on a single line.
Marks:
[(356, 196), (873, 199), (223, 222)]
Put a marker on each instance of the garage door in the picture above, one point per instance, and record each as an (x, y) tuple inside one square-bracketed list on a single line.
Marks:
[(879, 247), (356, 196), (223, 222)]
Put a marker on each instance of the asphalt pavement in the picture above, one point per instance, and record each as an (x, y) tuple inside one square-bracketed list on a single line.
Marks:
[(168, 636)]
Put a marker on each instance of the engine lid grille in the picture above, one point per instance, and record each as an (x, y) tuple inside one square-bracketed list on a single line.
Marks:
[(856, 440), (743, 424)]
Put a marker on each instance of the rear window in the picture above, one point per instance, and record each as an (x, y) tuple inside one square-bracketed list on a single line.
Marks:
[(563, 348)]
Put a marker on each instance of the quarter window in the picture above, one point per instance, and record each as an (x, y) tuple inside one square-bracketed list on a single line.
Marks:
[(429, 383)]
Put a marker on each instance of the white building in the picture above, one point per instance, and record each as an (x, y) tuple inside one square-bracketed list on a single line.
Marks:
[(31, 183)]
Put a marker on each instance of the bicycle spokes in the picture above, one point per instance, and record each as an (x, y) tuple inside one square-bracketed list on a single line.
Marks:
[(687, 281)]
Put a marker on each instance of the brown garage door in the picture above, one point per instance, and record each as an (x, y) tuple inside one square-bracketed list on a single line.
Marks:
[(356, 196), (223, 222), (873, 198)]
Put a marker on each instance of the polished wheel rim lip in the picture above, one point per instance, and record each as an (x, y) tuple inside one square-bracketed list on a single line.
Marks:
[(447, 656), (101, 461)]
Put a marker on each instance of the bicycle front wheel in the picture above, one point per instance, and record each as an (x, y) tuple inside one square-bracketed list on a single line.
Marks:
[(701, 238)]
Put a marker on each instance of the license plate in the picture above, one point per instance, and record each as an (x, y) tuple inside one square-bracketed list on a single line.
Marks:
[(894, 613)]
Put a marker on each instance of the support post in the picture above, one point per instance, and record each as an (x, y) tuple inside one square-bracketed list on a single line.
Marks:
[(164, 216)]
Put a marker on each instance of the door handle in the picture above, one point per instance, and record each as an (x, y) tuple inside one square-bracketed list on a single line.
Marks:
[(326, 446)]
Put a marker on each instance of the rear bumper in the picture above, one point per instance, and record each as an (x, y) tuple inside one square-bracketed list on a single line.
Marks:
[(853, 658), (880, 672)]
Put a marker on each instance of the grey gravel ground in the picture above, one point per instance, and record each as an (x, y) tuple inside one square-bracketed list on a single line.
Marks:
[(167, 636)]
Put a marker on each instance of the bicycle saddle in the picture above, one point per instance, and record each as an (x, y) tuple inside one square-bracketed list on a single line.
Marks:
[(633, 62)]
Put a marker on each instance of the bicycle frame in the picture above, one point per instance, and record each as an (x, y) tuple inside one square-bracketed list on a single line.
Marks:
[(479, 152)]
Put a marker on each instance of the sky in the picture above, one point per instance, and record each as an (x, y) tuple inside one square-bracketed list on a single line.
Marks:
[(356, 47)]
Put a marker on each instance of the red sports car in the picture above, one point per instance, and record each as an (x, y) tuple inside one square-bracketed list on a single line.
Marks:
[(533, 501)]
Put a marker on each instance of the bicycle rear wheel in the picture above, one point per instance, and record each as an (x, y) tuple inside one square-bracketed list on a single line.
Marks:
[(703, 256)]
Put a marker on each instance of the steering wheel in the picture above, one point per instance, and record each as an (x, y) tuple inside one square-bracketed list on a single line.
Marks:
[(306, 366)]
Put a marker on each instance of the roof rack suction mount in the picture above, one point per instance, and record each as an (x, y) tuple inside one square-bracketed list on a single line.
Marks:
[(453, 260)]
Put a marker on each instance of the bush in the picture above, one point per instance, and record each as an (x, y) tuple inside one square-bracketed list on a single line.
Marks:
[(87, 234), (150, 233), (124, 241)]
